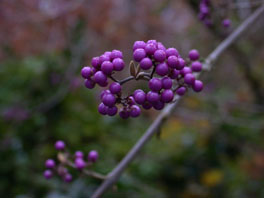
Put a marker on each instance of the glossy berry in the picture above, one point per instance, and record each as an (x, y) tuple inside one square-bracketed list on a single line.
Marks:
[(50, 163), (109, 100), (107, 67), (166, 83), (189, 79), (171, 52), (181, 91), (139, 54), (89, 83), (78, 154), (173, 62), (111, 111), (115, 88), (160, 56), (67, 177), (162, 69), (124, 114), (96, 62), (103, 58), (116, 54), (146, 63), (150, 48), (100, 77), (118, 64), (196, 66), (59, 145), (139, 44), (181, 64), (197, 86), (185, 70), (194, 55), (79, 163), (158, 105), (86, 72), (135, 111), (155, 84), (102, 109), (140, 97), (167, 96), (93, 156), (48, 174), (153, 97)]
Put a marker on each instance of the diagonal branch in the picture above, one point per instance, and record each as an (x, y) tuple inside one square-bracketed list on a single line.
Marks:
[(119, 169)]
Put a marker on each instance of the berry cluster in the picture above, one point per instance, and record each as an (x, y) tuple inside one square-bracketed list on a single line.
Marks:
[(205, 15), (165, 70), (76, 161)]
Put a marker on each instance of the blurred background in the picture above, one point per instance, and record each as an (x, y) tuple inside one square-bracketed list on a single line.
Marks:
[(211, 147)]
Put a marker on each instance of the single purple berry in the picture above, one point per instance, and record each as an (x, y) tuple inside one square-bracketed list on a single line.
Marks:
[(103, 93), (50, 163), (181, 64), (139, 44), (194, 55), (158, 105), (115, 88), (118, 64), (96, 62), (185, 70), (79, 163), (155, 84), (111, 111), (140, 97), (167, 96), (78, 154), (161, 46), (150, 48), (100, 77), (160, 56), (153, 42), (67, 177), (89, 83), (189, 79), (135, 111), (173, 62), (166, 83), (102, 109), (181, 91), (162, 69), (86, 72), (196, 66), (131, 100), (59, 145), (103, 58), (48, 174), (107, 67), (116, 54), (226, 23), (146, 63), (147, 105), (139, 54), (103, 84), (109, 100), (108, 53), (153, 96), (172, 52), (124, 114), (197, 86), (174, 74), (93, 156)]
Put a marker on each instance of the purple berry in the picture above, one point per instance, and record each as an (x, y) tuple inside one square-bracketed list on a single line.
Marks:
[(67, 178), (226, 23), (50, 163), (78, 154), (140, 97), (111, 111), (103, 84), (152, 41), (116, 54), (158, 105), (181, 64), (131, 100), (166, 83), (108, 53), (189, 79), (160, 55), (102, 109), (135, 111), (79, 163), (155, 84), (118, 64), (172, 52), (161, 46), (100, 77), (167, 96), (93, 156), (147, 105), (194, 55), (89, 83), (48, 174), (103, 58), (107, 67), (181, 91), (109, 100), (124, 114), (173, 62), (185, 70), (150, 48), (103, 93), (196, 66), (139, 54), (59, 145), (139, 44), (174, 74), (162, 69), (153, 96), (146, 63), (86, 72), (96, 62), (115, 88), (197, 86)]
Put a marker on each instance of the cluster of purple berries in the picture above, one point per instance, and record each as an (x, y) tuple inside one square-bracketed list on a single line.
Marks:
[(205, 15), (169, 74), (65, 158)]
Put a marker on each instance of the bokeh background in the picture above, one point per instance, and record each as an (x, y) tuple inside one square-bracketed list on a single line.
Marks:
[(211, 147)]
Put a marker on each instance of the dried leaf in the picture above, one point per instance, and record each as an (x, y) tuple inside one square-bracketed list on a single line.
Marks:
[(132, 69)]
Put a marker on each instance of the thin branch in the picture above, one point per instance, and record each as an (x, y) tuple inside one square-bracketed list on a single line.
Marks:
[(119, 169)]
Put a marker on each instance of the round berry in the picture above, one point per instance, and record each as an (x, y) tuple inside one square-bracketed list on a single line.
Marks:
[(124, 114), (118, 64), (194, 55), (79, 163), (86, 72), (180, 64), (135, 111), (107, 67), (139, 44), (93, 156), (67, 178), (103, 93), (166, 83), (147, 105), (109, 100), (161, 46), (153, 96), (103, 58), (146, 63), (174, 74), (153, 42), (89, 83), (160, 55), (158, 105), (167, 96), (189, 79), (48, 174), (150, 48), (181, 91), (162, 69), (111, 111), (78, 154), (185, 70), (155, 84), (226, 23), (140, 97), (139, 54), (102, 109), (131, 100), (197, 86), (115, 88), (96, 62), (107, 53), (172, 52), (100, 77), (173, 62), (50, 163), (196, 66), (59, 145), (116, 54)]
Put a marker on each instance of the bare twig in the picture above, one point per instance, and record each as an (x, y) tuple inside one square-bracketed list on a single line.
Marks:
[(119, 169)]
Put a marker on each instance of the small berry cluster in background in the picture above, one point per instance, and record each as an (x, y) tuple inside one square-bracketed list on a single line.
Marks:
[(165, 70), (205, 14), (77, 161)]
